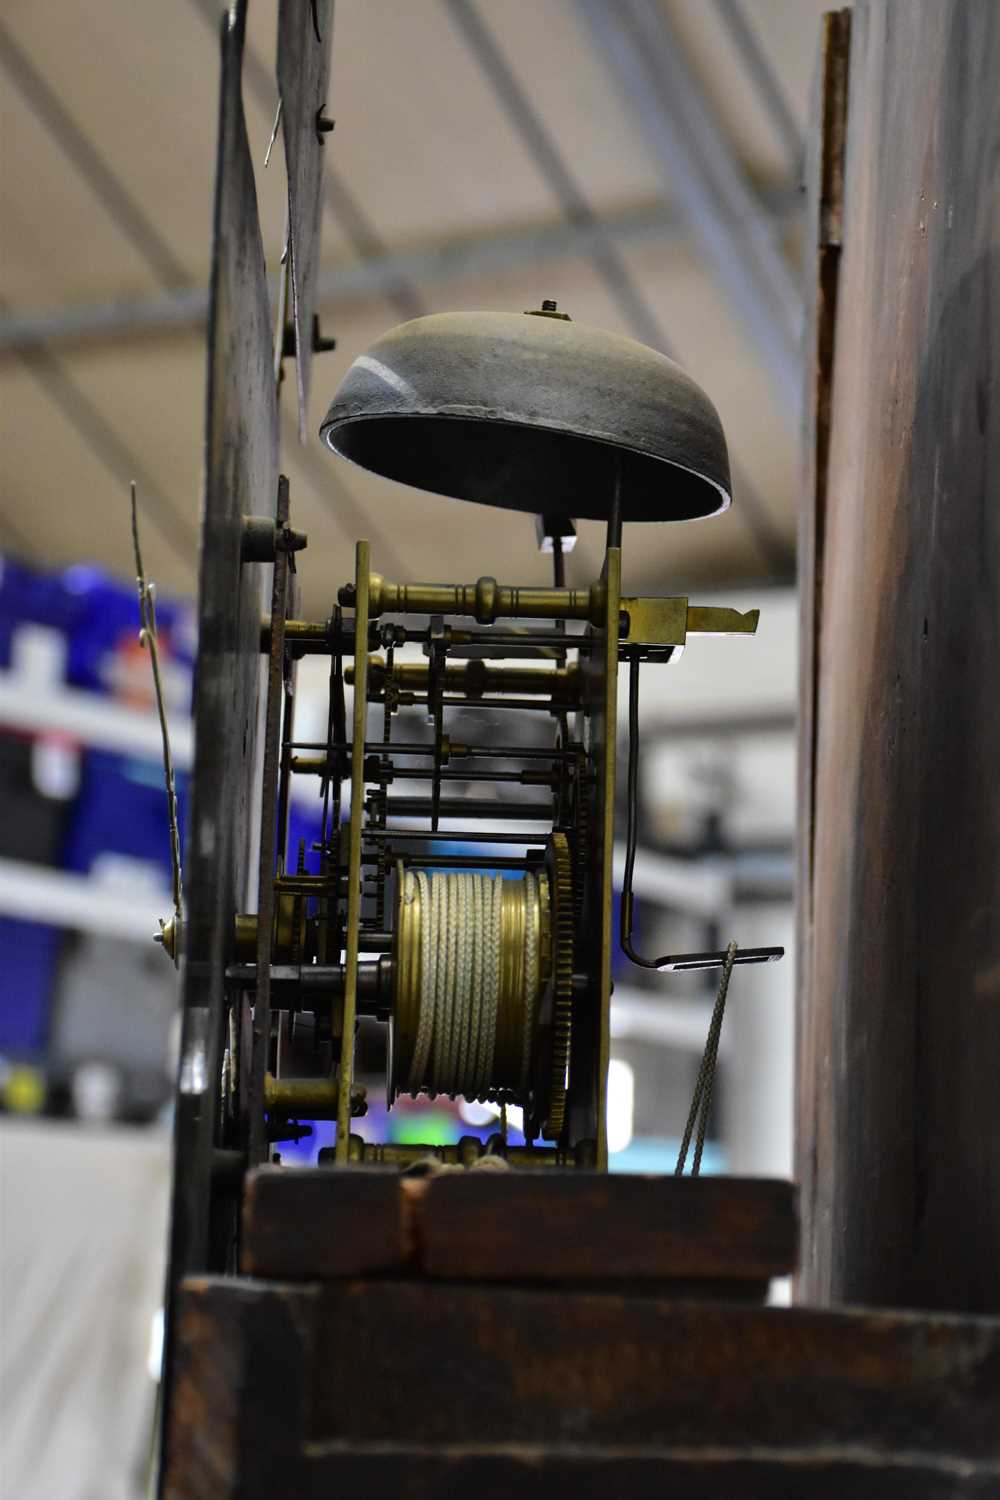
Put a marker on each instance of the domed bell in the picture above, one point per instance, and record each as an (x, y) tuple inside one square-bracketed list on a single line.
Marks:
[(534, 413)]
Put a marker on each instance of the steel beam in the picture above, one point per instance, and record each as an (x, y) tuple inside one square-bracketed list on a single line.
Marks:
[(765, 78), (700, 172), (68, 394), (123, 209), (606, 255), (524, 116), (452, 260)]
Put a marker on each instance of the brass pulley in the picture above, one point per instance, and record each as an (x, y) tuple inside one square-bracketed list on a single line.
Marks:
[(473, 955), (477, 963)]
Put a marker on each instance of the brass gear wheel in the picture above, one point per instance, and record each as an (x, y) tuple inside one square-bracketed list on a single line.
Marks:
[(581, 841), (560, 865)]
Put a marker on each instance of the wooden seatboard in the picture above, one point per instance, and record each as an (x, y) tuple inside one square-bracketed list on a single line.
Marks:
[(541, 1226), (324, 1223), (405, 1387)]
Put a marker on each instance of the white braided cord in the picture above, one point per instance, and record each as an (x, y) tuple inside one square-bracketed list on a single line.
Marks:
[(425, 1026), (480, 963), (435, 902), (459, 982), (459, 1001), (491, 985), (446, 953), (464, 994), (531, 957)]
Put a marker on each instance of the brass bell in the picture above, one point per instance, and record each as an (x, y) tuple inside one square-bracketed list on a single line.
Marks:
[(533, 413)]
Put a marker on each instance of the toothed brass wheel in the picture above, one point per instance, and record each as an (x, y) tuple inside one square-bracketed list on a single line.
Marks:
[(560, 870)]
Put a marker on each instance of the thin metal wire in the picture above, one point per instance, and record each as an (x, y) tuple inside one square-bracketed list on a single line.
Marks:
[(614, 534), (561, 717), (701, 1103), (632, 822), (687, 961), (148, 638), (274, 137)]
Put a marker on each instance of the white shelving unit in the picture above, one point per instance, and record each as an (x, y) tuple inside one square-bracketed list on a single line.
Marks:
[(35, 701)]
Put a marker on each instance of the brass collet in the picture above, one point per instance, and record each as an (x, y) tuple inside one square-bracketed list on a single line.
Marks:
[(485, 600)]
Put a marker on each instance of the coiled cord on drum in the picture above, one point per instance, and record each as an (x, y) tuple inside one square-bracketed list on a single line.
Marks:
[(462, 996)]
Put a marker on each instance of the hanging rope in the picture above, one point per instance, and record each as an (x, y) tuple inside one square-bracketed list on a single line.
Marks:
[(701, 1103)]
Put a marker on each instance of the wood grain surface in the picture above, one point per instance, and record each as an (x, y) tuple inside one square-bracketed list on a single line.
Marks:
[(320, 1223), (899, 1098), (825, 164), (545, 1226), (431, 1387)]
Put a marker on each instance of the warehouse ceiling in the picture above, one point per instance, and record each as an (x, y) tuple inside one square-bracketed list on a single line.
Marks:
[(640, 162)]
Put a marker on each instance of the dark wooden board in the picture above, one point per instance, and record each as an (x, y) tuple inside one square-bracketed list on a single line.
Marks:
[(536, 1472), (244, 1357), (900, 1117), (220, 859), (297, 1387), (322, 1223), (595, 1226), (268, 792), (568, 1367), (304, 36), (220, 850), (824, 228), (518, 1226)]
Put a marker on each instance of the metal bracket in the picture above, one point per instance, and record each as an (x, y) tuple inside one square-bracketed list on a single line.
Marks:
[(669, 622), (321, 344), (687, 962), (549, 528)]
